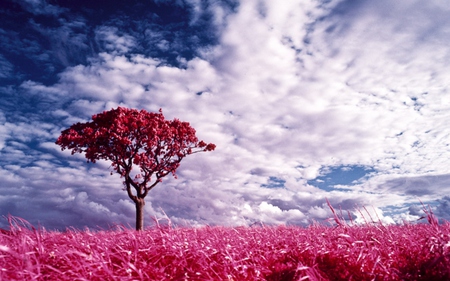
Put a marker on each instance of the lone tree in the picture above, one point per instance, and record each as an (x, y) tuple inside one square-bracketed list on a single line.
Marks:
[(142, 146)]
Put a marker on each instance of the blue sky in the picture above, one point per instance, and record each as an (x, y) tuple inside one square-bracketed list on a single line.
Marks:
[(346, 100)]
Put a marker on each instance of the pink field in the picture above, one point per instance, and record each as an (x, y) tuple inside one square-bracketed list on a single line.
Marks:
[(371, 252)]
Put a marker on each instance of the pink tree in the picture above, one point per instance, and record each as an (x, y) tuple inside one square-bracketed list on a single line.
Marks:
[(142, 146)]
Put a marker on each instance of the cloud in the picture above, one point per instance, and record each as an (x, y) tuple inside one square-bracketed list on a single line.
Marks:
[(3, 130), (300, 123), (372, 215), (273, 214), (443, 209), (42, 43), (420, 186), (399, 45), (6, 68), (40, 7), (67, 199), (69, 44), (112, 42), (287, 93)]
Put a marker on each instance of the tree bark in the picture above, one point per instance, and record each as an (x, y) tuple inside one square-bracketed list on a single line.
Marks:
[(140, 203)]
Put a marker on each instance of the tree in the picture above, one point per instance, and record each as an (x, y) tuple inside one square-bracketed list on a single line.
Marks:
[(143, 148)]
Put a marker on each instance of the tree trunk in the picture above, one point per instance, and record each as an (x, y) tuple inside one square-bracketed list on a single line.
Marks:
[(140, 203)]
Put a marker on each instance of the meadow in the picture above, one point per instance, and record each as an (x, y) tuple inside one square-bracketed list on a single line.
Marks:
[(162, 252)]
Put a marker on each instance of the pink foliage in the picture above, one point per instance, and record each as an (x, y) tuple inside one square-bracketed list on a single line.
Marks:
[(370, 252), (129, 137)]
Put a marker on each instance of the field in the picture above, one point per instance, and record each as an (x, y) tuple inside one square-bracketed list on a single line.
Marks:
[(318, 252)]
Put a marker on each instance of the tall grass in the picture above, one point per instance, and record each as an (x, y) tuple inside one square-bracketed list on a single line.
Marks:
[(318, 252)]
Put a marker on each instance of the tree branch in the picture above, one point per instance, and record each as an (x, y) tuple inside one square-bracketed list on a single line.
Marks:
[(130, 193), (147, 189), (130, 180)]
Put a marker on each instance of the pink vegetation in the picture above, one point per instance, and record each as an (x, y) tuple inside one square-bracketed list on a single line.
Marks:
[(371, 252)]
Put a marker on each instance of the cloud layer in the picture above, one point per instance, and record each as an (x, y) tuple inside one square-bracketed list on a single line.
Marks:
[(287, 93)]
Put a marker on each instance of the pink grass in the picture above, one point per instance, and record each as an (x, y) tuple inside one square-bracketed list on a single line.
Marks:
[(370, 252)]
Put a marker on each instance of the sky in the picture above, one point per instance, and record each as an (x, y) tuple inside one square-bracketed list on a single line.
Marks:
[(308, 100)]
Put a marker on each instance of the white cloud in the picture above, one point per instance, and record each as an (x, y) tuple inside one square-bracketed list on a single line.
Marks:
[(289, 90), (114, 43), (269, 105), (369, 215), (273, 214)]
